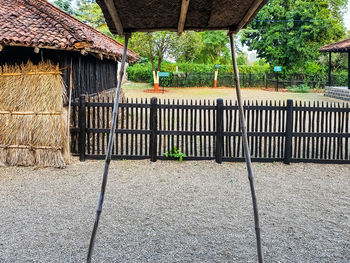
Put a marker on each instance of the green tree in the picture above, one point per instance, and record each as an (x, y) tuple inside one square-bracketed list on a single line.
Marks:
[(214, 48), (89, 12), (154, 46), (187, 47), (65, 5), (289, 33)]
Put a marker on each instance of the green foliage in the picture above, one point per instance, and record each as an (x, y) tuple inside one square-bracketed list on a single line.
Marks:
[(214, 48), (89, 12), (289, 33), (65, 5), (340, 79), (175, 154), (142, 72), (299, 89), (187, 47)]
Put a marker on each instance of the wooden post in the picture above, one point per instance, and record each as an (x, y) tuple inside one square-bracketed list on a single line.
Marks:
[(219, 130), (153, 127), (156, 81), (216, 78), (246, 150), (70, 96), (109, 151), (330, 70), (82, 127), (289, 134), (349, 69)]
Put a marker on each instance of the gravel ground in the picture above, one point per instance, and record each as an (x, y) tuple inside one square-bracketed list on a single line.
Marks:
[(175, 212)]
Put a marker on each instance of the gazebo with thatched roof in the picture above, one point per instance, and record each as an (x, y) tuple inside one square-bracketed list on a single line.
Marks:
[(337, 92), (127, 16)]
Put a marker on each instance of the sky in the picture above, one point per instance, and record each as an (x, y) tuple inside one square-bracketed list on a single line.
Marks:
[(347, 17)]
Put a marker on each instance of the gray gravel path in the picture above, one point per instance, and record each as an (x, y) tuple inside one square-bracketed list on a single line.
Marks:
[(172, 212)]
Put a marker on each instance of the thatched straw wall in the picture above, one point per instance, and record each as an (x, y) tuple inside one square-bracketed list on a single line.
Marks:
[(32, 121)]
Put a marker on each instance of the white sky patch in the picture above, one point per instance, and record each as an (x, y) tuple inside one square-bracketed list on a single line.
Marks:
[(347, 17)]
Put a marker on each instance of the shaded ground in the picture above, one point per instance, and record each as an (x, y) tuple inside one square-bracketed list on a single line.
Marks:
[(172, 212), (136, 90)]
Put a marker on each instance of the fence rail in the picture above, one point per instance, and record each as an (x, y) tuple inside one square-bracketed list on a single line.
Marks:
[(210, 130)]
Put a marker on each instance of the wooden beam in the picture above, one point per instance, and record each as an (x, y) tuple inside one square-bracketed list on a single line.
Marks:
[(256, 4), (349, 69), (84, 52), (1, 47), (330, 69), (183, 15), (172, 29), (115, 17)]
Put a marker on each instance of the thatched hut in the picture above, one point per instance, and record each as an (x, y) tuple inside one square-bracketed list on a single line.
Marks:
[(36, 30), (46, 57)]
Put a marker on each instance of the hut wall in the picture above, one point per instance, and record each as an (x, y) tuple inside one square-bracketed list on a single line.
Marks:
[(90, 74)]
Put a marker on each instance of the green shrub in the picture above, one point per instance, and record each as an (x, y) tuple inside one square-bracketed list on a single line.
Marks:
[(299, 89), (340, 79), (142, 72), (175, 154)]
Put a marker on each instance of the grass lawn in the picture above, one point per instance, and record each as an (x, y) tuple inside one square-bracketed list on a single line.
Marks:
[(137, 90)]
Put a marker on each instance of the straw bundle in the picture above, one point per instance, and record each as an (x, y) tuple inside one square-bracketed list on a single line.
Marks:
[(32, 121)]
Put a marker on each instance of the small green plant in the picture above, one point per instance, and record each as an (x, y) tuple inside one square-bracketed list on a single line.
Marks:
[(299, 89), (175, 153)]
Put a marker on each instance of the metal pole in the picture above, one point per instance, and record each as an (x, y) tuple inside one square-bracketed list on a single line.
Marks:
[(246, 150), (109, 151)]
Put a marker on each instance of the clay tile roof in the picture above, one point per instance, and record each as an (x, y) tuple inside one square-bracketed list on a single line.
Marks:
[(342, 46), (37, 23)]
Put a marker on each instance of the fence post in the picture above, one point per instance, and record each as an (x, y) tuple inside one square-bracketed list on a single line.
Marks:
[(153, 126), (289, 130), (219, 130), (82, 127)]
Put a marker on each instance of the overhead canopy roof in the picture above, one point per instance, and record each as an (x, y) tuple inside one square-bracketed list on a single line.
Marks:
[(342, 46), (178, 15)]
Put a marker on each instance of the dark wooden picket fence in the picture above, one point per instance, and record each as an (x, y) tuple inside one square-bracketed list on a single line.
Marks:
[(210, 130)]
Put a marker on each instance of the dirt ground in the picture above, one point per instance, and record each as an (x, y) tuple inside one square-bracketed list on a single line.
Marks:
[(137, 90), (175, 212)]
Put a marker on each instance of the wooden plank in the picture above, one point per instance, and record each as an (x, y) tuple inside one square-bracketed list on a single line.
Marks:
[(153, 127), (183, 15), (112, 10), (253, 8), (195, 129), (127, 127), (141, 128)]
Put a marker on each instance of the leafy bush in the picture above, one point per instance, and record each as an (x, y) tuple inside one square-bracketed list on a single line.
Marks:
[(142, 72), (176, 154), (299, 89), (340, 79)]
